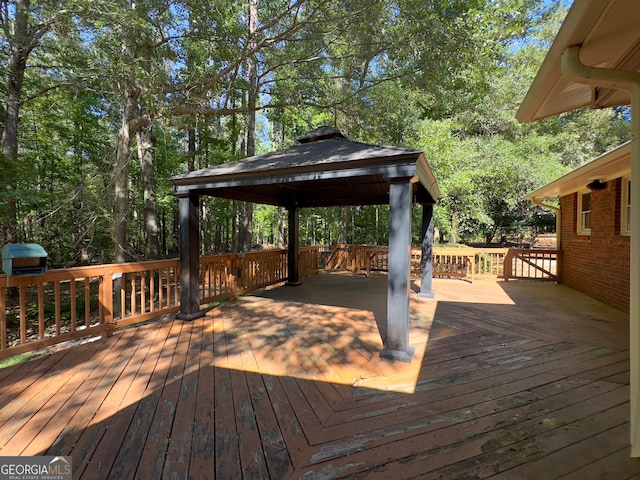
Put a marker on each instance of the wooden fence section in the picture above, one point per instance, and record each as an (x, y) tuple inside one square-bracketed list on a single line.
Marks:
[(69, 304), (529, 264), (468, 263), (227, 276)]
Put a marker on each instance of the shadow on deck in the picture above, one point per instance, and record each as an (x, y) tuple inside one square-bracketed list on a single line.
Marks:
[(509, 381)]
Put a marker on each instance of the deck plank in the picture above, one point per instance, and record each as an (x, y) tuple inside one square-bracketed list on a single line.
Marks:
[(252, 460), (613, 466), (49, 422), (276, 455), (179, 451), (114, 416), (92, 394), (202, 463), (269, 386), (126, 463), (160, 406)]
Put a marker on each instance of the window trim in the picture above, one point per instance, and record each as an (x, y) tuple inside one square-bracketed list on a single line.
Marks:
[(580, 229), (625, 207)]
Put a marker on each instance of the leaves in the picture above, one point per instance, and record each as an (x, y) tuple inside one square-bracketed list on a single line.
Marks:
[(445, 76)]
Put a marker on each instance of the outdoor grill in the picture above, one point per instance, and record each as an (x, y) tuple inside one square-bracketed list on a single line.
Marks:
[(24, 259)]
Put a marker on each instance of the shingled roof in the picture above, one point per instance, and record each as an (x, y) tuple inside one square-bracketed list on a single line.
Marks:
[(324, 169)]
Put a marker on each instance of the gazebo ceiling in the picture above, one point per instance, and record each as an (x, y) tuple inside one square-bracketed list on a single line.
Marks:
[(324, 169)]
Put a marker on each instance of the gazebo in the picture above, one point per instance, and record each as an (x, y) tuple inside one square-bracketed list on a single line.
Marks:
[(324, 169)]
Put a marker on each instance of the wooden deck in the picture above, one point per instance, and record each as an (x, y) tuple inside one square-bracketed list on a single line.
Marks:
[(509, 381)]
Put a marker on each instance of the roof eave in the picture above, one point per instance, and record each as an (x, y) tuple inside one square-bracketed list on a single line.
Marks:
[(608, 166), (607, 32), (426, 177)]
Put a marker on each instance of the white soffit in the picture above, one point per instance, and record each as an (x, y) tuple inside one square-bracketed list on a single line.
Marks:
[(609, 34)]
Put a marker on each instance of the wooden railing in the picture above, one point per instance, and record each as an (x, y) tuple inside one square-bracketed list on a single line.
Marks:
[(469, 263), (529, 264), (69, 304)]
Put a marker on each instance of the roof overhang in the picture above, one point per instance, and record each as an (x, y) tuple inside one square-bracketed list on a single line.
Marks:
[(326, 172), (609, 36), (609, 166)]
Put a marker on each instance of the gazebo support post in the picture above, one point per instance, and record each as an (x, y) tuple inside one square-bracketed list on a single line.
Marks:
[(293, 263), (396, 343), (426, 262), (189, 259)]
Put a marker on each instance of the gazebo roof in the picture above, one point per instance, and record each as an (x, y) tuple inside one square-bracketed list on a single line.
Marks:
[(324, 169)]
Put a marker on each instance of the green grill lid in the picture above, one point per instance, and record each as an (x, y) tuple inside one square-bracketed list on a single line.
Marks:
[(23, 250)]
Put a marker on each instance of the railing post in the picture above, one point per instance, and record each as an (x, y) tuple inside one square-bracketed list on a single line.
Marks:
[(559, 266), (473, 265), (234, 270), (507, 266), (105, 302), (3, 312)]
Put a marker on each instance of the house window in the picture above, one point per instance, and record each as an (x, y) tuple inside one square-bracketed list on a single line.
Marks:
[(584, 213), (625, 214)]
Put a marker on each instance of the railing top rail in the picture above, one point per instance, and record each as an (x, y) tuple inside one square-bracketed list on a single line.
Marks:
[(470, 250), (541, 251), (71, 273)]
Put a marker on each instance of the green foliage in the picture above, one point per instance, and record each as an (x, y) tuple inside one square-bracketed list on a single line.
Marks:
[(484, 179), (15, 360), (443, 76)]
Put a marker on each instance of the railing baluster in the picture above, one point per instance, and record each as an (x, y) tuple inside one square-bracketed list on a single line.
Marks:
[(40, 310), (23, 314), (72, 292), (161, 286), (123, 296), (56, 302), (143, 293), (3, 316), (152, 290)]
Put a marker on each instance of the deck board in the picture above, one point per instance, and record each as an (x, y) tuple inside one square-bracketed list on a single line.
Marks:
[(508, 382)]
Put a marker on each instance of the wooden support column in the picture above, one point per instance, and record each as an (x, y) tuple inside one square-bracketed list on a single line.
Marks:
[(426, 262), (396, 343), (634, 281), (293, 256), (189, 259), (573, 68)]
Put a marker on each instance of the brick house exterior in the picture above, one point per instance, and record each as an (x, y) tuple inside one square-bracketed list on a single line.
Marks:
[(596, 264), (595, 260)]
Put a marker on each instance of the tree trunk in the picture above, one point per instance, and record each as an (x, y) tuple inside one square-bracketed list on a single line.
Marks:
[(19, 49), (146, 144), (245, 232), (121, 174), (342, 226), (455, 225), (282, 224), (191, 152)]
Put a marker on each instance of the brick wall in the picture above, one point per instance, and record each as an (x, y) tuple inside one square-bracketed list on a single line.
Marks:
[(598, 264)]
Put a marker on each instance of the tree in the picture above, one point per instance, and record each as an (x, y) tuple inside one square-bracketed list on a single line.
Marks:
[(189, 84), (245, 228), (24, 27)]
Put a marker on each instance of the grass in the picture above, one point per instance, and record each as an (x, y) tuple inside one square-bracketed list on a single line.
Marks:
[(7, 362)]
